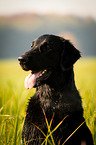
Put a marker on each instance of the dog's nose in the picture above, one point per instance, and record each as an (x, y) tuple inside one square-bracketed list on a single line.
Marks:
[(22, 59)]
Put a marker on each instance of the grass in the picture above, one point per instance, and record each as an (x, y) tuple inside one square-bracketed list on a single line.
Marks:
[(14, 98)]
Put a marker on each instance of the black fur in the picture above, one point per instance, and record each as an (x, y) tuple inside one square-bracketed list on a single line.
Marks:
[(56, 96)]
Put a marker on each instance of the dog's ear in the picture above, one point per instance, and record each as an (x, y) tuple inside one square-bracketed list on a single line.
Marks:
[(69, 55)]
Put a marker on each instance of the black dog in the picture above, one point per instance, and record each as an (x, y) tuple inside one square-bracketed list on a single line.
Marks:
[(56, 100)]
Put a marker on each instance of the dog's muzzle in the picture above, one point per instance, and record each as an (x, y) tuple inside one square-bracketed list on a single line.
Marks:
[(23, 60)]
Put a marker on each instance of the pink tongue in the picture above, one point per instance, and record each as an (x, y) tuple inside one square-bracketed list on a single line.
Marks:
[(30, 80)]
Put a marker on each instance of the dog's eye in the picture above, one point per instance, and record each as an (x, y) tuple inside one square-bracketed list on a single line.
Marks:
[(45, 47), (32, 43)]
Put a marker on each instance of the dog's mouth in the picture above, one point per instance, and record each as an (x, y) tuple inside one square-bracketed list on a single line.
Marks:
[(35, 79)]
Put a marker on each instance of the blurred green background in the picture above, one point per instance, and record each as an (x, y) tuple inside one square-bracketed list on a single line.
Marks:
[(23, 21)]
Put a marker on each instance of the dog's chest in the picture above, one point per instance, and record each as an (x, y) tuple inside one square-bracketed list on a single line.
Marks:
[(49, 98)]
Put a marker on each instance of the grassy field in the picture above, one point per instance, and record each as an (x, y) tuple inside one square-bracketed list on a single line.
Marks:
[(14, 97)]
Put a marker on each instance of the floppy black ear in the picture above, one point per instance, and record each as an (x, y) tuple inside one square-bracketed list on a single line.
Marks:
[(69, 55)]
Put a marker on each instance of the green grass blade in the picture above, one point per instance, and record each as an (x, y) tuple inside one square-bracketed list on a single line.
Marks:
[(75, 131), (16, 129), (41, 132), (51, 132), (49, 128)]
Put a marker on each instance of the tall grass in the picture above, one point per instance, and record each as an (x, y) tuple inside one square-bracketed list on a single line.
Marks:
[(14, 98)]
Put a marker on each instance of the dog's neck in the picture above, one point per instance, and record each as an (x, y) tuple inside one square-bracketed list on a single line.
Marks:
[(66, 83)]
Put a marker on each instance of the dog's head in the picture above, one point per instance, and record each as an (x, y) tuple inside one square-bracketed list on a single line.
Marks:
[(47, 53)]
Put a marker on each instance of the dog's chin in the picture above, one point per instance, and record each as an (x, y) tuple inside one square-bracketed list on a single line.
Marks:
[(35, 79), (24, 67)]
